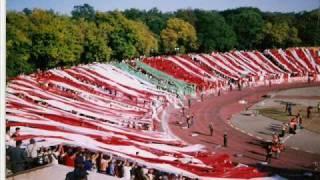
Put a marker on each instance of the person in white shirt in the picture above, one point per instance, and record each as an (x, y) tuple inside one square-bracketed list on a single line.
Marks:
[(9, 140), (127, 171), (32, 151)]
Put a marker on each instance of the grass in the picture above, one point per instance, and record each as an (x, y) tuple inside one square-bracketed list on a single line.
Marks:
[(277, 113)]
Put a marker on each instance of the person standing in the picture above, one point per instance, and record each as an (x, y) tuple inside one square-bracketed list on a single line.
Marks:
[(189, 103), (16, 133), (211, 128), (318, 107), (32, 152), (183, 111), (283, 130), (290, 109), (309, 112), (225, 139), (299, 120), (18, 157), (269, 154), (188, 121), (9, 140), (127, 171), (202, 95)]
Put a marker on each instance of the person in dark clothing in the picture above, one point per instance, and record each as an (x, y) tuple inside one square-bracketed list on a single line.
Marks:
[(309, 112), (119, 169), (18, 157), (239, 86), (225, 139), (290, 109), (269, 154), (182, 110), (88, 163), (211, 129), (189, 103), (77, 174), (138, 173)]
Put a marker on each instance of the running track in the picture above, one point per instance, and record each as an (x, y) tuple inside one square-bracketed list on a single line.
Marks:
[(219, 109)]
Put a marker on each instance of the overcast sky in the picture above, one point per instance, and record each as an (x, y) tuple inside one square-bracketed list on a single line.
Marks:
[(65, 6)]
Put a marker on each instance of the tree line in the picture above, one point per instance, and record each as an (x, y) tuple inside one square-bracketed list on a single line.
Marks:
[(43, 39)]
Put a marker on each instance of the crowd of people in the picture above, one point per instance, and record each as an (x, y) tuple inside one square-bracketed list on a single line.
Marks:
[(84, 161)]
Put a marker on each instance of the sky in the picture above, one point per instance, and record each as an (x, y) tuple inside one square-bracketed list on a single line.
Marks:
[(66, 6)]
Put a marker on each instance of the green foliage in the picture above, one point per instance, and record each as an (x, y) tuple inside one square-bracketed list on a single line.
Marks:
[(56, 40), (279, 34), (95, 42), (213, 32), (44, 39), (178, 34), (247, 24), (308, 26), (128, 38), (18, 44), (84, 11)]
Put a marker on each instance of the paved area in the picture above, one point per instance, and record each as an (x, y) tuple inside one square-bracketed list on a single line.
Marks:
[(262, 127), (241, 146)]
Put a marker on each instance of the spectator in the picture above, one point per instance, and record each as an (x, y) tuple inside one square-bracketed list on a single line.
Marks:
[(94, 157), (98, 161), (150, 175), (9, 140), (69, 158), (88, 162), (40, 157), (119, 169), (79, 159), (127, 170), (17, 133), (318, 107), (46, 159), (18, 157), (53, 156), (104, 164), (145, 171), (137, 173), (77, 174), (32, 152), (111, 170)]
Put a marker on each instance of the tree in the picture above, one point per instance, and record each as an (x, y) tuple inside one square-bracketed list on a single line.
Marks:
[(18, 44), (178, 34), (84, 11), (187, 15), (55, 40), (308, 25), (213, 32), (279, 34), (127, 38), (247, 23), (95, 42)]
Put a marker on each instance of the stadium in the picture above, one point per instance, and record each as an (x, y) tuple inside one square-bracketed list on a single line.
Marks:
[(243, 114)]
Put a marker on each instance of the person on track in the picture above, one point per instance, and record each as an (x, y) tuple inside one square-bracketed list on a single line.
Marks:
[(211, 128), (225, 139), (269, 154)]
